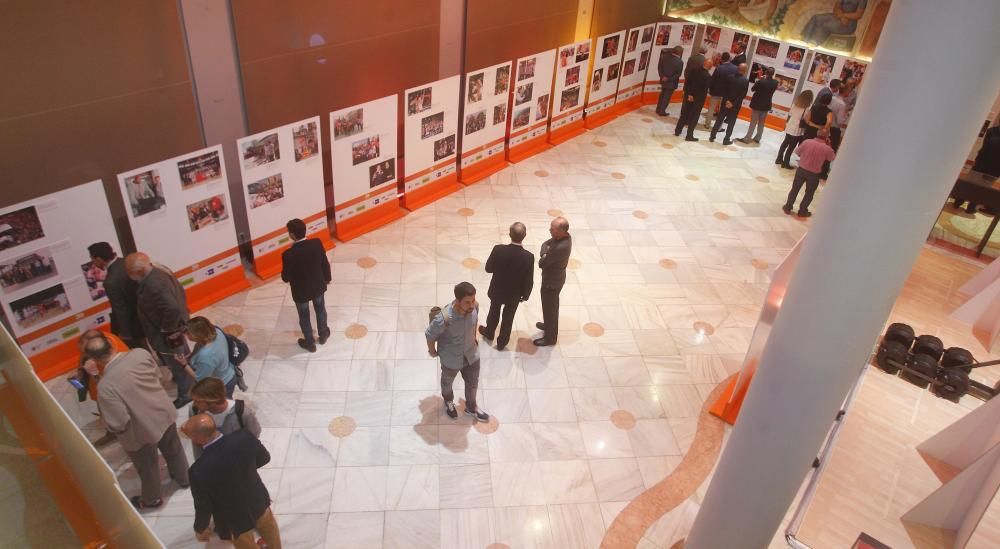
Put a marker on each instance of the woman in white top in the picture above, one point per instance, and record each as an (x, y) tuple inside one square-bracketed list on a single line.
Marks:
[(793, 128)]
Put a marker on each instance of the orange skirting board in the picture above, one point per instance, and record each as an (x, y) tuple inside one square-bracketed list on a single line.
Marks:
[(474, 173), (376, 217), (216, 288), (429, 192), (268, 264), (651, 97), (528, 148), (600, 118), (57, 360)]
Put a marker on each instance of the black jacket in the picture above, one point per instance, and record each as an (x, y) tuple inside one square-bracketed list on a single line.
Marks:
[(162, 306), (736, 89), (553, 261), (670, 67), (513, 273), (988, 157), (122, 293), (225, 484), (763, 91), (696, 83), (697, 60), (717, 86), (306, 269)]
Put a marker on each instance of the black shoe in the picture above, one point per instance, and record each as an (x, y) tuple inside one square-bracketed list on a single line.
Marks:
[(138, 504), (482, 332), (542, 342), (479, 415), (802, 213), (787, 166), (449, 408), (726, 142), (540, 325), (501, 347), (757, 141), (677, 134), (711, 138), (787, 209), (311, 347), (743, 140), (694, 139), (323, 338), (778, 162), (661, 114)]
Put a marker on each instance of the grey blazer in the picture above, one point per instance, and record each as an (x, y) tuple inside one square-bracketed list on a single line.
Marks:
[(162, 306)]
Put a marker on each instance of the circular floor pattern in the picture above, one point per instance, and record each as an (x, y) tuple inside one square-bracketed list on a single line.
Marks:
[(640, 214), (555, 213), (366, 262), (356, 331), (541, 173), (498, 546), (600, 144), (647, 120), (667, 146), (763, 179), (623, 419), (759, 264), (342, 426), (668, 264), (703, 327), (235, 330), (487, 428), (722, 216), (471, 263), (466, 212), (732, 148), (618, 175), (574, 264), (593, 329), (692, 177)]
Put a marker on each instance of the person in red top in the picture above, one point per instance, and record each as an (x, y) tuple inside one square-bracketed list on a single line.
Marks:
[(812, 154)]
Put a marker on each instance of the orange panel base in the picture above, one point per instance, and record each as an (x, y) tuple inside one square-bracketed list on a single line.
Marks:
[(217, 288), (744, 113), (727, 408), (775, 122), (650, 98), (601, 118), (629, 105), (57, 360), (381, 215), (567, 132), (418, 198), (528, 149), (474, 173), (269, 264)]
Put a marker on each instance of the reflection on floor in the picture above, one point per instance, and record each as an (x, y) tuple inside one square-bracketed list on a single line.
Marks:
[(673, 246)]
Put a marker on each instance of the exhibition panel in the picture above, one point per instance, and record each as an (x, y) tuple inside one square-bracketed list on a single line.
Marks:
[(826, 66), (787, 60), (278, 187), (364, 160), (50, 290), (606, 70), (429, 139), (484, 126), (529, 134), (721, 39), (570, 91), (634, 64), (667, 36), (179, 213)]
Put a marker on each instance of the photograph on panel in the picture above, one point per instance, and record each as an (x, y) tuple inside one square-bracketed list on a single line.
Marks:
[(613, 71), (266, 190), (306, 141), (364, 150), (526, 67), (475, 122), (499, 114), (711, 38), (418, 101), (20, 227), (20, 272), (40, 306), (350, 123), (444, 147), (629, 67), (201, 169), (610, 47), (572, 76), (476, 87), (380, 173), (662, 36), (522, 117), (822, 67), (542, 107), (793, 59), (571, 97), (596, 84), (502, 80), (687, 34), (647, 35), (431, 125), (633, 41), (145, 192), (565, 58), (643, 60), (260, 152), (766, 48), (207, 212), (94, 277), (523, 93)]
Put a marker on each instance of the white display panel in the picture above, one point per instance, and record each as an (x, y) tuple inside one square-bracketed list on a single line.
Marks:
[(430, 135), (608, 51), (536, 71), (638, 42), (282, 172), (825, 66), (484, 126), (722, 39), (787, 61), (364, 156), (570, 87), (179, 210), (667, 36), (46, 276)]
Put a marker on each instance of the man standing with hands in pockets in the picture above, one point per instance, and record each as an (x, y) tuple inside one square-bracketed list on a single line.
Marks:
[(513, 276), (553, 260)]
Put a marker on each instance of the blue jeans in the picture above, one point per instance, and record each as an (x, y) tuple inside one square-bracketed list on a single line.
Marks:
[(304, 322)]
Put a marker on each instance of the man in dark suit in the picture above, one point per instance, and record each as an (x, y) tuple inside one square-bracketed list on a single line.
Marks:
[(732, 99), (553, 260), (306, 269), (717, 87), (513, 275), (760, 105), (696, 60), (225, 485), (669, 68), (122, 294), (163, 314), (695, 89)]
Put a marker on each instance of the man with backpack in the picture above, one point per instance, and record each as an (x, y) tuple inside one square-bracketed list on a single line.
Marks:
[(209, 397), (451, 336)]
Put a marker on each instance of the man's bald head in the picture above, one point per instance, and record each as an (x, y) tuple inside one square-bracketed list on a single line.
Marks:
[(559, 228), (138, 265), (98, 349), (200, 429), (742, 68)]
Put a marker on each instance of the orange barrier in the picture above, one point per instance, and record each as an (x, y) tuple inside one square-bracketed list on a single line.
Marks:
[(371, 219), (727, 406), (232, 279), (268, 263), (528, 142), (600, 113), (629, 100), (566, 126), (482, 162), (426, 186)]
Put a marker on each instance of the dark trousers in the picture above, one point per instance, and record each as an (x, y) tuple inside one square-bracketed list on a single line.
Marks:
[(727, 115), (147, 464), (470, 375), (664, 100), (506, 323), (550, 305), (319, 305), (786, 149), (835, 143), (812, 183), (689, 115), (168, 356)]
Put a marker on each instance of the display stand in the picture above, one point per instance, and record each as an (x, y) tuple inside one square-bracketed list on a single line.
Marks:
[(638, 43), (484, 124), (667, 36), (788, 61), (364, 162), (282, 172), (982, 310), (429, 139), (50, 291), (179, 213), (825, 66), (570, 89), (608, 52), (527, 138)]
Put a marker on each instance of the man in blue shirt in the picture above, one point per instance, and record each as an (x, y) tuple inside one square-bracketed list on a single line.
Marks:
[(451, 337)]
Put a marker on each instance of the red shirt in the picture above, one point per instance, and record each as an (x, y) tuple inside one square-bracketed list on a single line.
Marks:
[(812, 153)]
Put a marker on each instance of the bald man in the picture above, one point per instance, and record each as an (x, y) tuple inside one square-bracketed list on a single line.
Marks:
[(553, 260), (163, 314), (225, 485)]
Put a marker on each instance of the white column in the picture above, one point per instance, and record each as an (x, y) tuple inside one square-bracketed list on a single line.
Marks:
[(920, 108)]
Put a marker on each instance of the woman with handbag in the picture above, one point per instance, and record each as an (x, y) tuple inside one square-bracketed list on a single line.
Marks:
[(794, 128), (210, 357)]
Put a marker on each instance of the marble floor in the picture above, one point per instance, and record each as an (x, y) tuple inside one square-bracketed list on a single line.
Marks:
[(674, 244)]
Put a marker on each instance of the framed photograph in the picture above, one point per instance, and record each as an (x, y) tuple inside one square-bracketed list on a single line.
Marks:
[(613, 72), (662, 36), (21, 272), (542, 107), (475, 122), (19, 227), (822, 67), (40, 306), (476, 87), (260, 152), (786, 84), (499, 114), (145, 193), (444, 147), (573, 76), (502, 80), (431, 125), (351, 123), (598, 79), (418, 101), (852, 73), (767, 48), (756, 72), (629, 67), (571, 97), (207, 212), (687, 35), (647, 35), (643, 60), (711, 38), (583, 52), (380, 173), (365, 149), (794, 57), (205, 168), (633, 41), (526, 68), (94, 277), (266, 190), (610, 47), (306, 143), (523, 93), (522, 117), (740, 43)]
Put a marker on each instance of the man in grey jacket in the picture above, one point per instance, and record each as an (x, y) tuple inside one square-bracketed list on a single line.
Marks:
[(451, 336)]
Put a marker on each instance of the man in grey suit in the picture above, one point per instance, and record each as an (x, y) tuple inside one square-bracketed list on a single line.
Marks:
[(122, 294), (163, 314), (553, 260)]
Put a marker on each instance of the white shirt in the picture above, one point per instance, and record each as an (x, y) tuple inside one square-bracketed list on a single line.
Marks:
[(794, 116), (220, 418)]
